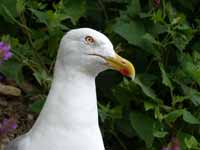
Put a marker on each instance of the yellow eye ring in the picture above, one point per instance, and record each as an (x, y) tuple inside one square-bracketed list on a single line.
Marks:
[(89, 39)]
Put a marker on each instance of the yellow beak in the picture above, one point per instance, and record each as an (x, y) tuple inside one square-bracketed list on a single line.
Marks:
[(122, 65)]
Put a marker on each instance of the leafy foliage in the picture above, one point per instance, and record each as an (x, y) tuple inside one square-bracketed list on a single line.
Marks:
[(162, 41)]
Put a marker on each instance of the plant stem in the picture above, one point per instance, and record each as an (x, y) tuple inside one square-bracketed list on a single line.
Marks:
[(119, 140), (104, 10)]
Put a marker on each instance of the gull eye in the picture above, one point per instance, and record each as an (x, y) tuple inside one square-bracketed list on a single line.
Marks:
[(89, 39)]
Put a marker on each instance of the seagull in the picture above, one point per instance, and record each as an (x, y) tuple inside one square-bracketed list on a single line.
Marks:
[(69, 118)]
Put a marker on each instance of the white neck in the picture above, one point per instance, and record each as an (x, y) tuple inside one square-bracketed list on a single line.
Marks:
[(69, 119)]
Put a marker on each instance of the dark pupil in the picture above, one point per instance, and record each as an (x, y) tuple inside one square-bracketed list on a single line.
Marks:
[(89, 39)]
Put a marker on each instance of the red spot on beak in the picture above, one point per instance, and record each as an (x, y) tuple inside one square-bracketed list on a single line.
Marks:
[(124, 72)]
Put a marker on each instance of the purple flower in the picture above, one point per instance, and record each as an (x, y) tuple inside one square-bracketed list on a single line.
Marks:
[(11, 121), (157, 3), (5, 52), (175, 147), (175, 143), (7, 126), (165, 148)]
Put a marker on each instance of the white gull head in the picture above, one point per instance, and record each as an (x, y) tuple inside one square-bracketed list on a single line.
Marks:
[(89, 51)]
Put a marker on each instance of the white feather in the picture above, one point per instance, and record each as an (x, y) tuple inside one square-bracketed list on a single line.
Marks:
[(69, 118)]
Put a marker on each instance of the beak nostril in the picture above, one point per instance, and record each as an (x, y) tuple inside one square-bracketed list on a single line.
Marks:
[(123, 62)]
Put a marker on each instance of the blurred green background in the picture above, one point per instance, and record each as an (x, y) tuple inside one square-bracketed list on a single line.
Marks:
[(161, 108)]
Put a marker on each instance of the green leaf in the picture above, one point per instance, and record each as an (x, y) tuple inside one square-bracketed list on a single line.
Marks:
[(107, 112), (143, 126), (55, 20), (125, 127), (116, 112), (20, 6), (156, 29), (172, 116), (132, 31), (147, 90), (190, 66), (158, 114), (13, 70), (157, 16), (181, 40), (189, 118), (151, 39), (103, 111), (42, 16), (42, 77), (179, 99), (182, 136), (11, 6), (149, 106), (165, 79), (50, 19), (192, 143), (134, 8), (36, 107), (191, 94), (160, 134), (125, 92), (74, 9)]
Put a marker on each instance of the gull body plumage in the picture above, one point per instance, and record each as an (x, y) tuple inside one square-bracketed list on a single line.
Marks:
[(69, 118)]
